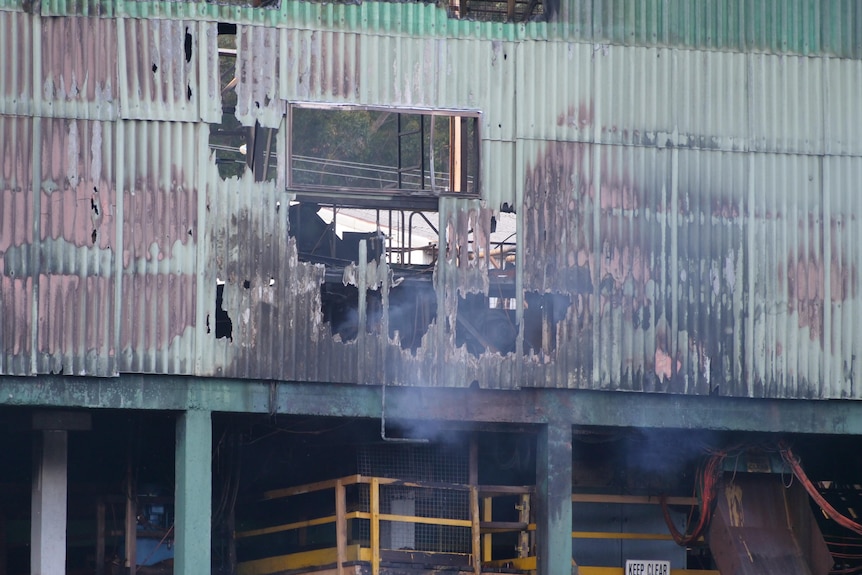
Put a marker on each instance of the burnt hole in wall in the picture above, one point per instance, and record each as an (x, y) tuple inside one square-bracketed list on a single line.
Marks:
[(223, 323), (188, 45), (189, 93), (412, 309), (486, 324), (209, 329), (94, 205), (542, 313), (339, 305), (155, 68), (228, 138), (246, 284), (313, 226), (94, 236)]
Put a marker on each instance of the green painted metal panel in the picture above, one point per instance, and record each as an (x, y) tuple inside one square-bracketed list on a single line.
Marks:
[(806, 27), (529, 406), (90, 8)]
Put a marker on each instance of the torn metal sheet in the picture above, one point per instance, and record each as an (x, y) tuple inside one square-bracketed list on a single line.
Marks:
[(257, 66)]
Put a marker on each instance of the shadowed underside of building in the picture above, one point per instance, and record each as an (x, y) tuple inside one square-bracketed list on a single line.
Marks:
[(404, 287)]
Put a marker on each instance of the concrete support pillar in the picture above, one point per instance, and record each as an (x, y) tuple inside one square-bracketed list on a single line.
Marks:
[(554, 500), (48, 504), (193, 499)]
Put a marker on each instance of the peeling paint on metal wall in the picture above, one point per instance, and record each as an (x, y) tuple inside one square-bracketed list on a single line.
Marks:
[(16, 238), (690, 275), (257, 68), (168, 71), (16, 74), (158, 167), (79, 68), (77, 273)]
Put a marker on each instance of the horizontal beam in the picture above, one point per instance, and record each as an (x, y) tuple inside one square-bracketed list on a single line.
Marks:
[(453, 405)]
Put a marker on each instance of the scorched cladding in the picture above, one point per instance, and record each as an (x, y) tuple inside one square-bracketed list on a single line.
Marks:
[(501, 204)]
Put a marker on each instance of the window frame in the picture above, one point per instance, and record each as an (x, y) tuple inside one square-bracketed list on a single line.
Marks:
[(390, 197)]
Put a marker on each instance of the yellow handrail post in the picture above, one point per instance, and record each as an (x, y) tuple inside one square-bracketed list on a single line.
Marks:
[(487, 516), (524, 543), (375, 526), (477, 534), (340, 526)]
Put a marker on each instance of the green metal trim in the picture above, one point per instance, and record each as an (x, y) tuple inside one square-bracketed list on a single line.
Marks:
[(804, 27), (525, 406)]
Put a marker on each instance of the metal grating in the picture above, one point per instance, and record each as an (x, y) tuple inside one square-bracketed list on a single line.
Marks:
[(423, 463)]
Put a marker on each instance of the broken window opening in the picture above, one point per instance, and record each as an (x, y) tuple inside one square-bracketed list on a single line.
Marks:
[(373, 154), (504, 11), (483, 328), (542, 313), (237, 147), (228, 138), (412, 310), (331, 233), (340, 309)]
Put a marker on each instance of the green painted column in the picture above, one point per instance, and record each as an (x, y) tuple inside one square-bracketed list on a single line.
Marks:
[(193, 554), (554, 499)]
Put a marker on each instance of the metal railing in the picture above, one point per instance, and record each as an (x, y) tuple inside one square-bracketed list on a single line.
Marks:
[(480, 523)]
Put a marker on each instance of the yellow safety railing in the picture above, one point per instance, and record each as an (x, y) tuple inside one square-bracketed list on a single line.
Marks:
[(344, 553), (481, 524)]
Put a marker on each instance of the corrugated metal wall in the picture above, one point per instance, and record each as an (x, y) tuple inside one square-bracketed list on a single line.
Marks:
[(696, 207)]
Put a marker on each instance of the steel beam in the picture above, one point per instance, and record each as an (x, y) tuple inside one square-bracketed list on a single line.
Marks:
[(554, 499), (525, 406)]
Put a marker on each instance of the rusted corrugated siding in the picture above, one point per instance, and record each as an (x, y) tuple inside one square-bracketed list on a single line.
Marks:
[(158, 163), (16, 74), (16, 239), (79, 68)]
